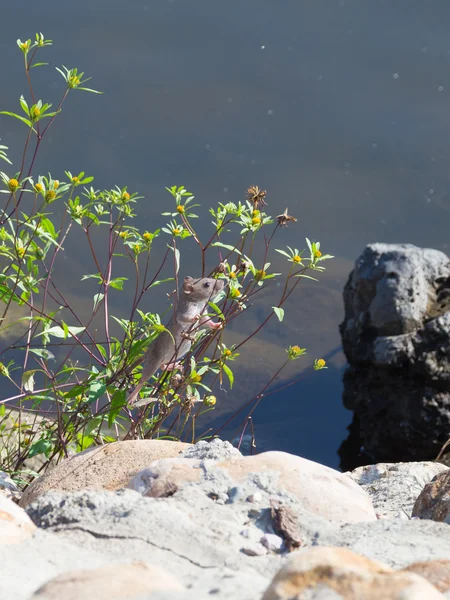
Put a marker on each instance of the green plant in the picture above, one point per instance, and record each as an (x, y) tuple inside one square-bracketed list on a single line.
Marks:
[(76, 371)]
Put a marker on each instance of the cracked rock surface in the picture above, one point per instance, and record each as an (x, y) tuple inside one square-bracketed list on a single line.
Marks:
[(236, 530)]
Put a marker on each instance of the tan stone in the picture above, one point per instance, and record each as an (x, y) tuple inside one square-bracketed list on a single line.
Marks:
[(321, 490), (323, 572), (436, 572), (106, 583), (107, 467), (434, 500), (15, 525)]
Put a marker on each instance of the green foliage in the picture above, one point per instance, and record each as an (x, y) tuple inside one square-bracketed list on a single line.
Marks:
[(84, 365)]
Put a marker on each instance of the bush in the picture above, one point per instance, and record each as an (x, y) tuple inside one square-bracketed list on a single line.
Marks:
[(71, 375)]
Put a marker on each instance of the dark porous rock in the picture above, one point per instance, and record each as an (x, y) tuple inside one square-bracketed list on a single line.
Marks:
[(396, 337), (434, 500)]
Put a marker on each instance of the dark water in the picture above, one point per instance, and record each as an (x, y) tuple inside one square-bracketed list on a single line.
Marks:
[(340, 109)]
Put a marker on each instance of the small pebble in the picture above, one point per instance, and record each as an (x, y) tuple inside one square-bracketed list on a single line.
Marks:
[(256, 550), (256, 497), (272, 542)]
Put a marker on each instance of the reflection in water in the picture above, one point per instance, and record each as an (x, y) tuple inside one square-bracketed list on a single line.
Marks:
[(339, 109)]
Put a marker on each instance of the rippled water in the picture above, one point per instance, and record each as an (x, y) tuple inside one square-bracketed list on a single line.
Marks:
[(340, 109)]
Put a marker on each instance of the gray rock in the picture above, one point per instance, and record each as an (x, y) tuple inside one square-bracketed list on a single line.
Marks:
[(397, 543), (396, 337), (216, 449), (28, 565), (394, 487), (189, 534)]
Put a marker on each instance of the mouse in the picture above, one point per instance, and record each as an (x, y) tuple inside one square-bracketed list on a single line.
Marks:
[(189, 316)]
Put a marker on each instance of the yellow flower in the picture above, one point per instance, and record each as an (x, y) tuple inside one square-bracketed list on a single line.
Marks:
[(38, 187), (75, 180), (210, 400), (256, 220), (24, 45), (21, 252), (3, 370), (180, 209), (56, 184), (123, 234), (126, 196), (137, 248), (13, 184), (317, 253), (227, 352), (295, 352), (147, 236), (50, 195), (260, 274), (296, 258), (195, 377), (235, 293), (74, 81), (35, 112), (232, 275), (176, 231), (256, 213), (319, 364)]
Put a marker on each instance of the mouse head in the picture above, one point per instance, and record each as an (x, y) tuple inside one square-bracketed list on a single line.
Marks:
[(204, 288)]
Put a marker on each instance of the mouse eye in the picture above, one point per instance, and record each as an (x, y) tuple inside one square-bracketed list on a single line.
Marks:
[(206, 284)]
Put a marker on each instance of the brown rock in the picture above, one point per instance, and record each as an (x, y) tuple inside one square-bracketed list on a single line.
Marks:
[(15, 525), (436, 572), (434, 500), (106, 583), (106, 467), (323, 572), (321, 490)]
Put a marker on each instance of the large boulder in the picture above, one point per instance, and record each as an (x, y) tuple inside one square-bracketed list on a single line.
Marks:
[(15, 525), (107, 467), (396, 337), (394, 487), (123, 581), (338, 573), (320, 490)]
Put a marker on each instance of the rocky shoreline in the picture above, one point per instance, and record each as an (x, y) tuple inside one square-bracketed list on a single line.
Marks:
[(156, 519)]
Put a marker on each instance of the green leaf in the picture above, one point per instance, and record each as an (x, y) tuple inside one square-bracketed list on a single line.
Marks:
[(84, 441), (2, 410), (283, 253), (216, 309), (43, 353), (279, 312), (118, 401), (227, 247), (24, 106), (162, 281), (117, 283), (88, 90), (41, 64), (28, 380), (10, 114), (66, 330), (229, 374), (60, 332), (96, 389), (97, 299), (306, 277), (40, 447)]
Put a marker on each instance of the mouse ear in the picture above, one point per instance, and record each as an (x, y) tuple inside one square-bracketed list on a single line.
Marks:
[(187, 285)]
